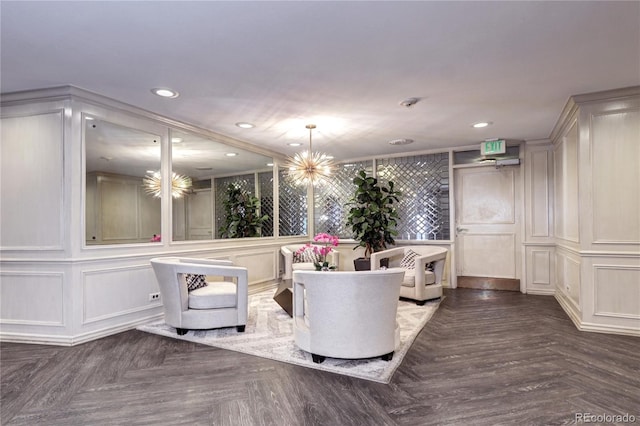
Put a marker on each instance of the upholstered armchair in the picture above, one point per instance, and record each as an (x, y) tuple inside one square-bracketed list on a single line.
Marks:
[(291, 265), (423, 266), (220, 302), (346, 314)]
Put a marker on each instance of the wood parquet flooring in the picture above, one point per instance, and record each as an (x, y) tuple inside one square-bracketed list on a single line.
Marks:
[(485, 358)]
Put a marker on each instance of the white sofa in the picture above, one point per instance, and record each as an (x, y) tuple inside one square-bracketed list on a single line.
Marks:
[(289, 265), (419, 284), (346, 314)]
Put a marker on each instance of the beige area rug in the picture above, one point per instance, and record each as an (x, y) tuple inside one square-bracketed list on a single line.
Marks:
[(269, 334)]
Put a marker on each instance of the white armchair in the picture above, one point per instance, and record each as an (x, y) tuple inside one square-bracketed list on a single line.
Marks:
[(419, 283), (289, 265), (220, 303), (346, 314)]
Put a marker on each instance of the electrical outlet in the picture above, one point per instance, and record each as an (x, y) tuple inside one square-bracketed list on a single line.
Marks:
[(153, 297)]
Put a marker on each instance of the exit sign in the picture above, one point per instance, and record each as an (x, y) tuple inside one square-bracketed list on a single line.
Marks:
[(494, 146)]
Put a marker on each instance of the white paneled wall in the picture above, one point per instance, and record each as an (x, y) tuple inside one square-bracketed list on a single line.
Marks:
[(58, 286), (581, 222), (31, 180), (597, 184)]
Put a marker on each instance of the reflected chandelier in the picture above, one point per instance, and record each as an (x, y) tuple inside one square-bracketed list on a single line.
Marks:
[(180, 185), (309, 167)]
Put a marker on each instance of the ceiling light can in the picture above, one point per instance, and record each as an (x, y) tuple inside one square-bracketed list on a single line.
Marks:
[(165, 92)]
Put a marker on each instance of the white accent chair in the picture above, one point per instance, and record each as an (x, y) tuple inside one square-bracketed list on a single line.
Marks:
[(346, 314), (221, 303), (417, 286), (289, 266)]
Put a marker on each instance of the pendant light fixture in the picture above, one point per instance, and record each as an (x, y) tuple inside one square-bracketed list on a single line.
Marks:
[(309, 167), (180, 185)]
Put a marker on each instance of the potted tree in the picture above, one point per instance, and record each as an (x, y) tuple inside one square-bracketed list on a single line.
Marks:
[(242, 216), (373, 216)]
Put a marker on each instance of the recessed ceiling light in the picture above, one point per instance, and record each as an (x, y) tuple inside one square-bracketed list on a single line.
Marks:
[(403, 141), (245, 125), (231, 154), (294, 144), (270, 164), (164, 92), (86, 117), (481, 124), (176, 140)]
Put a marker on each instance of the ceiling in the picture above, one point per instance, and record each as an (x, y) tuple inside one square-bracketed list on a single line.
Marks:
[(344, 66)]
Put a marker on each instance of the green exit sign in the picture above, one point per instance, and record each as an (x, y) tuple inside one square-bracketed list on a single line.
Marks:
[(494, 146)]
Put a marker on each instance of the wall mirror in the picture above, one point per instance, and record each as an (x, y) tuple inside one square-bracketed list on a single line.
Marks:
[(230, 193), (119, 209)]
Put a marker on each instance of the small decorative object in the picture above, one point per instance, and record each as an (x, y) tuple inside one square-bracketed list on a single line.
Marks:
[(156, 238), (318, 255)]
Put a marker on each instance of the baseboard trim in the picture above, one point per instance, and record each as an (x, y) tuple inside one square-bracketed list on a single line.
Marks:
[(51, 339), (592, 327), (538, 292)]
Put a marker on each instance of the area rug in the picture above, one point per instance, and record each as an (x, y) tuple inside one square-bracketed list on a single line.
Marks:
[(269, 334)]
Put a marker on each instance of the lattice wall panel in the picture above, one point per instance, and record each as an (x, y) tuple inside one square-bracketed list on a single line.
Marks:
[(331, 199), (424, 205), (293, 206), (265, 185)]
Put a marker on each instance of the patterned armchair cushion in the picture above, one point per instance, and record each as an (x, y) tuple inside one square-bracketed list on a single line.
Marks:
[(195, 281)]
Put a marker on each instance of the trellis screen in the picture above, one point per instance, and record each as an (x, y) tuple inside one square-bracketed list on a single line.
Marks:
[(424, 205), (265, 186), (331, 199), (293, 206)]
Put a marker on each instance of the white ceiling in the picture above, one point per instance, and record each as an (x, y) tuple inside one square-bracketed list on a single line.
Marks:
[(344, 66)]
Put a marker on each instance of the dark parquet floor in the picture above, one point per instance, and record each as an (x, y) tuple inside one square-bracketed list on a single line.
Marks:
[(485, 358)]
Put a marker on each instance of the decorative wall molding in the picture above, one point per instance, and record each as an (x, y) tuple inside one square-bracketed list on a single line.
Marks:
[(56, 279), (541, 261), (628, 292)]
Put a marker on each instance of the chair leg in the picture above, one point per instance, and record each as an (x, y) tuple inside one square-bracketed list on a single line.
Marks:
[(181, 331), (318, 359), (240, 328), (387, 357)]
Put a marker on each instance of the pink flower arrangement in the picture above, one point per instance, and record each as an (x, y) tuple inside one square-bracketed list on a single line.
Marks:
[(156, 238), (329, 242)]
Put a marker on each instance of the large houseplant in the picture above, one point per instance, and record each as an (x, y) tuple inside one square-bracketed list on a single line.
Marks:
[(242, 218), (373, 216)]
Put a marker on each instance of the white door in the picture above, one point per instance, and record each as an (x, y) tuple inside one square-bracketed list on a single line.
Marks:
[(488, 222)]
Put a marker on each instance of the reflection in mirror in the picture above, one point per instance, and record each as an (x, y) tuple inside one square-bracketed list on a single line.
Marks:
[(118, 209), (217, 170), (293, 206)]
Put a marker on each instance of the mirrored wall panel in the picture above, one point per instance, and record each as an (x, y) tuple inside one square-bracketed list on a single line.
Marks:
[(226, 192), (120, 208)]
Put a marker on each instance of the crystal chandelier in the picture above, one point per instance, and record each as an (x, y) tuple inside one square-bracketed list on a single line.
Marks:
[(180, 184), (309, 167)]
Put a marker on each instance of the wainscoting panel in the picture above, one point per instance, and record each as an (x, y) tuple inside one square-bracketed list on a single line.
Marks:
[(32, 187), (616, 177), (262, 265), (117, 291), (540, 269), (539, 193), (568, 277), (617, 291), (32, 298), (566, 186)]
